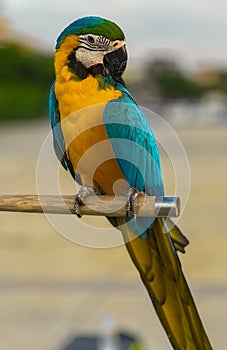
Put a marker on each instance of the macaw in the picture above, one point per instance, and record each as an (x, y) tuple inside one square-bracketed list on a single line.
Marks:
[(104, 139)]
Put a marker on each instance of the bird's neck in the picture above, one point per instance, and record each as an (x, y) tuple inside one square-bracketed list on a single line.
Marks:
[(73, 94)]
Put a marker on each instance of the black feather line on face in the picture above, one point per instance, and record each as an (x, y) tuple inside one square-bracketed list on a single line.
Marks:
[(77, 67), (97, 69)]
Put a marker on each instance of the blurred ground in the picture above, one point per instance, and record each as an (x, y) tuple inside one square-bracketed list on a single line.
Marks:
[(52, 289)]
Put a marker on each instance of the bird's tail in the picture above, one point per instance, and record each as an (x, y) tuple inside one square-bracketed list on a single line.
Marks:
[(159, 266)]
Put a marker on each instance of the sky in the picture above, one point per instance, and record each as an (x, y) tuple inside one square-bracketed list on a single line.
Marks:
[(193, 31)]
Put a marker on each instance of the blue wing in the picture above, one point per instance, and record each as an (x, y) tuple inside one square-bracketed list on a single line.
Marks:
[(134, 144), (58, 141), (135, 150)]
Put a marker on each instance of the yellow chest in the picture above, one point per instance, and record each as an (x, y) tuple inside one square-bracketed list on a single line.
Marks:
[(74, 95), (81, 107)]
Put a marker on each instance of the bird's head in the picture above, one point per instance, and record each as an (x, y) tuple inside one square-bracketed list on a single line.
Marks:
[(91, 45)]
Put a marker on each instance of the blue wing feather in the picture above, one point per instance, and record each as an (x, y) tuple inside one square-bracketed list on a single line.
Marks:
[(134, 144), (58, 140), (135, 150)]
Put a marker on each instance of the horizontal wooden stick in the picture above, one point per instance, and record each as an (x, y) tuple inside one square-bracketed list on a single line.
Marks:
[(102, 205)]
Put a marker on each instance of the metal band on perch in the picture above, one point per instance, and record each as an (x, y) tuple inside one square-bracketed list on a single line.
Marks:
[(101, 205)]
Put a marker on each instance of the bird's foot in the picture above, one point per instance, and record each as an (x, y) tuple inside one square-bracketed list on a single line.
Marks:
[(131, 204), (83, 193)]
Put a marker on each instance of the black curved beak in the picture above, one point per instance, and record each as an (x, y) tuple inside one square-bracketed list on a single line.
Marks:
[(115, 62)]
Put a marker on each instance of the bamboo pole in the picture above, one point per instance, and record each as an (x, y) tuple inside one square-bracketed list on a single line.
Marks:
[(102, 205)]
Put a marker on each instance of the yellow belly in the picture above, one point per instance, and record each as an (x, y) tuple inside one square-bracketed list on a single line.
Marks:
[(86, 140)]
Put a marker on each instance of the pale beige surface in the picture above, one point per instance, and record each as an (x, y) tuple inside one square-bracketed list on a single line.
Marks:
[(52, 289)]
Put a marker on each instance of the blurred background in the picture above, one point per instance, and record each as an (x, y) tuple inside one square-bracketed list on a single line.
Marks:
[(54, 293)]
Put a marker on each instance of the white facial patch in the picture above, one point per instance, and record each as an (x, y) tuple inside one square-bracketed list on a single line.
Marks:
[(89, 58)]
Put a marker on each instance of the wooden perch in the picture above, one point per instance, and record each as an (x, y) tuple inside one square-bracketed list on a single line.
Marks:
[(103, 205)]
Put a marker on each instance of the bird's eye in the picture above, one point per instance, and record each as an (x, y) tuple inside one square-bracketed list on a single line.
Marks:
[(90, 39)]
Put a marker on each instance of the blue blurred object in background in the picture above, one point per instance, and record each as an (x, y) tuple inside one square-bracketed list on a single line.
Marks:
[(123, 341)]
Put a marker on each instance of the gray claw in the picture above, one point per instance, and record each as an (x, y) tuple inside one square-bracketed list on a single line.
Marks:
[(131, 204), (77, 203), (84, 192)]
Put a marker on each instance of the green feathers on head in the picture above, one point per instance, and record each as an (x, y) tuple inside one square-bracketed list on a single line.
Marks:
[(92, 25)]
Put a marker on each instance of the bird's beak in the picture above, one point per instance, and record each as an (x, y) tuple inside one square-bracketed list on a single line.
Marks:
[(115, 62)]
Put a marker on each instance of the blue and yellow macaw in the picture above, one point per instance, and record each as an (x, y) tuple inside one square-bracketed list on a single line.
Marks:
[(103, 138)]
